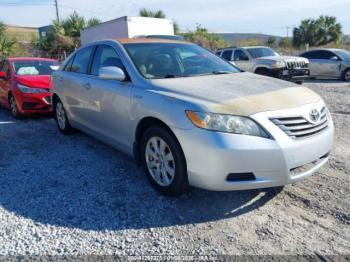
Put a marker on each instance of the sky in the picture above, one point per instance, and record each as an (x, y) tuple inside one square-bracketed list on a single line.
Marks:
[(231, 16)]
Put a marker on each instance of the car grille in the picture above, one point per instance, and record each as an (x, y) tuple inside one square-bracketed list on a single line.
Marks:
[(296, 64), (298, 127)]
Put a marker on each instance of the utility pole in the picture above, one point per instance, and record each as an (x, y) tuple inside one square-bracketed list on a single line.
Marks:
[(57, 14)]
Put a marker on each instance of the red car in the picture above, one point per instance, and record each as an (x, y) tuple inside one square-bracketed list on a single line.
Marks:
[(25, 84)]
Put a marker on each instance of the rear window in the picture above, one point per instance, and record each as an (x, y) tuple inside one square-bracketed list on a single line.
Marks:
[(34, 67), (81, 60)]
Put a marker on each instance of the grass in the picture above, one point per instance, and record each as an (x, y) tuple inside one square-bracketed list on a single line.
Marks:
[(22, 34)]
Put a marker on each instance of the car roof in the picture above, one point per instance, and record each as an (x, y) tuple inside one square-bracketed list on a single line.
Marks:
[(30, 59), (324, 49), (148, 40), (243, 47)]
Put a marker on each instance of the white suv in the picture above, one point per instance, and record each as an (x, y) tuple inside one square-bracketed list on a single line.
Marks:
[(266, 61)]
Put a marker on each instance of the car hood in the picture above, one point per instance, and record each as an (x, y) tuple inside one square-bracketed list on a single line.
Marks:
[(238, 93), (284, 59), (42, 81)]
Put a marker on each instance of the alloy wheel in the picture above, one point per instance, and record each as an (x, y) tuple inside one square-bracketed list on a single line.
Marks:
[(13, 106), (60, 115), (160, 161), (347, 76)]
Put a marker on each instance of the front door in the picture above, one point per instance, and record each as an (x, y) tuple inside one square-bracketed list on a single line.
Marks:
[(109, 100)]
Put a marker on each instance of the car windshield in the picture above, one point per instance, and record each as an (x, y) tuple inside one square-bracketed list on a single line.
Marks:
[(34, 67), (170, 60), (262, 52), (344, 54)]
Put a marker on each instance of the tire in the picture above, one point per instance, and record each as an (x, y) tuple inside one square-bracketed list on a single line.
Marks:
[(164, 162), (346, 75), (61, 118), (13, 107), (263, 72)]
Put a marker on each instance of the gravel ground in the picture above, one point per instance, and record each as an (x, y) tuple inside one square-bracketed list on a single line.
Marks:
[(73, 195)]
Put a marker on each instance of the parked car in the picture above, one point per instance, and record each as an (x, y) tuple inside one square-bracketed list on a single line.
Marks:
[(25, 84), (266, 61), (329, 63), (191, 118)]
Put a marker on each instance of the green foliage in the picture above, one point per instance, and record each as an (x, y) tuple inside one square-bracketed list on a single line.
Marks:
[(285, 42), (92, 22), (317, 32), (158, 14), (148, 13), (202, 37), (249, 42), (64, 37), (271, 41), (7, 45)]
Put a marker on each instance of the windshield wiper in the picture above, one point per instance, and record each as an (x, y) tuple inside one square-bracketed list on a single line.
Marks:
[(221, 72), (173, 76)]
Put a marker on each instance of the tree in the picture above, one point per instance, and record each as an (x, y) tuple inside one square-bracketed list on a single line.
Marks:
[(92, 22), (158, 14), (202, 37), (271, 41), (6, 44), (317, 32), (72, 27), (148, 13), (285, 42), (64, 37)]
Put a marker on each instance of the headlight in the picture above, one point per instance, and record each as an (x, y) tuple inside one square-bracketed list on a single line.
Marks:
[(226, 123), (278, 64), (30, 90)]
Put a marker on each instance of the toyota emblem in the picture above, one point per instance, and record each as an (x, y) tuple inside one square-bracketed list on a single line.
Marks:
[(314, 115)]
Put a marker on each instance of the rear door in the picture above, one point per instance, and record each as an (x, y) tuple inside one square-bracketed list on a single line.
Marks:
[(74, 82)]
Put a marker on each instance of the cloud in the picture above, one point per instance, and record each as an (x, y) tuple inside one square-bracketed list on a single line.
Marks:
[(268, 16)]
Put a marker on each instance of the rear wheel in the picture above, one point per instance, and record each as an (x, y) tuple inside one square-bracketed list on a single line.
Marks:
[(61, 118), (346, 76), (13, 107), (164, 162)]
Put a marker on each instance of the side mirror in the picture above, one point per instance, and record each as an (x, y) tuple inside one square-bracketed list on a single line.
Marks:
[(2, 74), (112, 73), (334, 58)]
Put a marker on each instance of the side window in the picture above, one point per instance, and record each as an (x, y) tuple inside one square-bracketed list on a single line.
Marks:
[(68, 66), (325, 55), (308, 55), (105, 56), (81, 60), (227, 54), (218, 53), (240, 56)]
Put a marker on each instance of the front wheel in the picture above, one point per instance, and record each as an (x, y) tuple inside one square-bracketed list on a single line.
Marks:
[(164, 162), (13, 107), (346, 76), (61, 118)]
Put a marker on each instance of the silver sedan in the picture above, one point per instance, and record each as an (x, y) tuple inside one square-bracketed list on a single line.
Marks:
[(329, 63), (190, 118)]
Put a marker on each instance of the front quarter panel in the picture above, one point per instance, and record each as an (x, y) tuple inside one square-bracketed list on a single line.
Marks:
[(150, 102)]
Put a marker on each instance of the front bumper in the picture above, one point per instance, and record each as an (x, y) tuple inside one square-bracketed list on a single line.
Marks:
[(33, 103), (292, 74), (212, 156)]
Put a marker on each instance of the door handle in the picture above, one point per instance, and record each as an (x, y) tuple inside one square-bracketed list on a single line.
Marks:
[(60, 78), (87, 86)]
